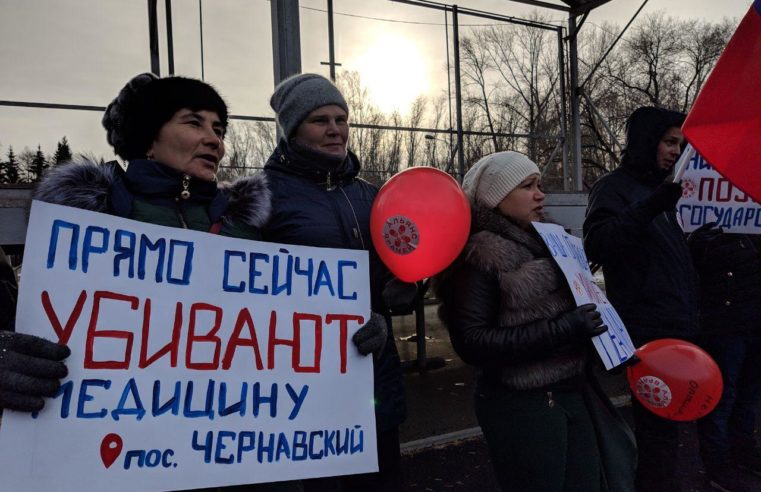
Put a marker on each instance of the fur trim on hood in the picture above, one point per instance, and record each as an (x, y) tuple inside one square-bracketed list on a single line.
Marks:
[(80, 183), (249, 200), (88, 185)]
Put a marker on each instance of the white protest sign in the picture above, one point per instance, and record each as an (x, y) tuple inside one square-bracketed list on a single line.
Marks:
[(614, 346), (197, 360), (707, 196)]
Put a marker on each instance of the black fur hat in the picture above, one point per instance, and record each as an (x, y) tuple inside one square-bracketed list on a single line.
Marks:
[(134, 118)]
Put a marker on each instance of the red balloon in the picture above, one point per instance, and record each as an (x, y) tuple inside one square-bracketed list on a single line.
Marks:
[(675, 379), (419, 222)]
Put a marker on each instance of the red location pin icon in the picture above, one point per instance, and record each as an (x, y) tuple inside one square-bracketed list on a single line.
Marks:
[(110, 448)]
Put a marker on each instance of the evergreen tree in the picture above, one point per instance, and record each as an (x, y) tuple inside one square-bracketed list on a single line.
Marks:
[(9, 168), (63, 152), (25, 166), (39, 165)]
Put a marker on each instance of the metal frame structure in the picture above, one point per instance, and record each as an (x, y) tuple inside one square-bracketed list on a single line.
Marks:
[(455, 11), (287, 61)]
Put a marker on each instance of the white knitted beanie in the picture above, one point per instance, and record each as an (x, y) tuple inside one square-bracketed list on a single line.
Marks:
[(496, 175)]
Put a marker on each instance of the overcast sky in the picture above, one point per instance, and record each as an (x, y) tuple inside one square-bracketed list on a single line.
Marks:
[(83, 51)]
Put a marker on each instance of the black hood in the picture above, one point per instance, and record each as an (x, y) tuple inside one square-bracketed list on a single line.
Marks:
[(644, 130)]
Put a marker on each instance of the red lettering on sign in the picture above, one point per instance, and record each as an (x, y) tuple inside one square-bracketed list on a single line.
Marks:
[(172, 347), (343, 330), (93, 333), (63, 333), (210, 337), (244, 318)]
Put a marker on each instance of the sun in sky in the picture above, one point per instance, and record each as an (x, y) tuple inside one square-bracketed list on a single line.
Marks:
[(393, 70)]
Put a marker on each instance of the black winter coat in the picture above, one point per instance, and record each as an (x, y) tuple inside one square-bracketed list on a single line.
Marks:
[(316, 205), (649, 277), (497, 300), (729, 267)]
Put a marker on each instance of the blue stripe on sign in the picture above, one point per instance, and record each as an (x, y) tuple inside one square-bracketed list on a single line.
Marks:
[(757, 6)]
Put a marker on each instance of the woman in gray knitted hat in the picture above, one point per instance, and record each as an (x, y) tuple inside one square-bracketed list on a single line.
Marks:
[(510, 313), (318, 200)]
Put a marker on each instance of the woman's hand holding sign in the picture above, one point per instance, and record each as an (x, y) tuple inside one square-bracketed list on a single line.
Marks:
[(371, 337), (30, 368)]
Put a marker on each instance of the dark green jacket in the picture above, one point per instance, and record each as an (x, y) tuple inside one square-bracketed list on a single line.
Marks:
[(150, 192)]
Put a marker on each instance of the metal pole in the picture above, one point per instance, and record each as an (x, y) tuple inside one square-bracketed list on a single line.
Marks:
[(286, 40), (331, 46), (153, 37), (200, 26), (449, 87), (601, 118), (575, 100), (615, 41), (458, 95), (169, 38), (563, 112)]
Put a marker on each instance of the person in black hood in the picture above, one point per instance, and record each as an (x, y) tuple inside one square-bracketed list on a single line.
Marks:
[(631, 229), (318, 200)]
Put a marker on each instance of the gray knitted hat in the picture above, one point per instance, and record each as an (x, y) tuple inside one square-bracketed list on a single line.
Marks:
[(297, 96), (496, 175)]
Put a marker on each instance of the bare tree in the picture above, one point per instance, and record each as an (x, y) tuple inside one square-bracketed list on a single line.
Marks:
[(648, 61), (248, 146), (476, 65), (525, 59), (701, 44), (414, 120)]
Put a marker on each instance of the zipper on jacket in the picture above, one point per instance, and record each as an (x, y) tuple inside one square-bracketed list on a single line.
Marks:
[(550, 400), (184, 195), (178, 211), (357, 232)]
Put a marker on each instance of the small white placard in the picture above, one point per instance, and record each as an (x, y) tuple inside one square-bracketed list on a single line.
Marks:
[(614, 346)]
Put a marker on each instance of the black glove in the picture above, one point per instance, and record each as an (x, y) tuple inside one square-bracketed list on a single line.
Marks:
[(399, 296), (663, 199), (704, 233), (371, 338), (8, 293), (30, 368), (583, 322)]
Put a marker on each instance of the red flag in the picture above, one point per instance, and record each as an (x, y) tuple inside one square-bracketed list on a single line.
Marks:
[(724, 124)]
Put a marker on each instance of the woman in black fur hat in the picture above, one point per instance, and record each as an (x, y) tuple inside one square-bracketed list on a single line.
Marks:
[(170, 132)]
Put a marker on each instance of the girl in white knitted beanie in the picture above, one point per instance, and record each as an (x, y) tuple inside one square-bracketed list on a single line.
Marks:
[(510, 312)]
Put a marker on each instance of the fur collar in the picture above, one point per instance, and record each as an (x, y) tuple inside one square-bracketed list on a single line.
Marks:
[(88, 185), (498, 244), (80, 183), (531, 284), (249, 200), (486, 219)]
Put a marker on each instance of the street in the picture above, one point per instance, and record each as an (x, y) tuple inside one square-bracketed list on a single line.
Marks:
[(442, 448)]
